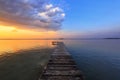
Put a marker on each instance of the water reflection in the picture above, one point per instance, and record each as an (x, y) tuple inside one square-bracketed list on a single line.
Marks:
[(23, 59), (15, 45)]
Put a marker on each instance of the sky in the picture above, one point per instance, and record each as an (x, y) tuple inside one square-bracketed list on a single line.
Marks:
[(59, 18)]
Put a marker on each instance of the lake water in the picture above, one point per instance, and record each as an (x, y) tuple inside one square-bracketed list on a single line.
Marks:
[(98, 59), (16, 45), (21, 59)]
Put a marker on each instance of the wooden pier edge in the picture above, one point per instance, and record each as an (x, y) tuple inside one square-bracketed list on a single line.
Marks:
[(61, 65)]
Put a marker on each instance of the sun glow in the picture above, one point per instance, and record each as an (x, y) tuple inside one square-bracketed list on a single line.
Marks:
[(6, 28), (7, 32)]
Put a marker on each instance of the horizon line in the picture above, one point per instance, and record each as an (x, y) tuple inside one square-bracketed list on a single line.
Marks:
[(50, 38)]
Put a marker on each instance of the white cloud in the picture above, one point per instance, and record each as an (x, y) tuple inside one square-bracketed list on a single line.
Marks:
[(43, 15), (56, 9), (63, 14), (48, 6)]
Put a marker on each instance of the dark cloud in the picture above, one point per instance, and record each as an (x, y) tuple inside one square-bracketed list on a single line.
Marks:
[(31, 14)]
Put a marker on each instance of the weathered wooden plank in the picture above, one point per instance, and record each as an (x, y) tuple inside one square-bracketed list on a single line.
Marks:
[(61, 65)]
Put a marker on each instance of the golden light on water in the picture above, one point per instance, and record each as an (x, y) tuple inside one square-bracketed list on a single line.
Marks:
[(15, 45)]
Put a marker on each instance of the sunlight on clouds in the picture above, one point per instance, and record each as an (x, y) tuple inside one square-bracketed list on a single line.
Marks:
[(30, 19), (5, 28), (31, 14), (12, 32)]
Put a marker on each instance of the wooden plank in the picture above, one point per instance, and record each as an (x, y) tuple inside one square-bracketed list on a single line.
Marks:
[(61, 65)]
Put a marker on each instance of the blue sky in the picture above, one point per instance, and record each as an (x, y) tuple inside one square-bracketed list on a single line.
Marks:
[(92, 17)]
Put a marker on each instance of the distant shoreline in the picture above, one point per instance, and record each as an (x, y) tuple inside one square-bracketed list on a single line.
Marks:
[(111, 38), (63, 39)]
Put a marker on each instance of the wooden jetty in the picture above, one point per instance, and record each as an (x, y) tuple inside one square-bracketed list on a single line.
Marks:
[(61, 65)]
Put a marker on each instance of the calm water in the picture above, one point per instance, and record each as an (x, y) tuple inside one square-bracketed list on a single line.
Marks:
[(98, 59), (16, 45), (21, 59)]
